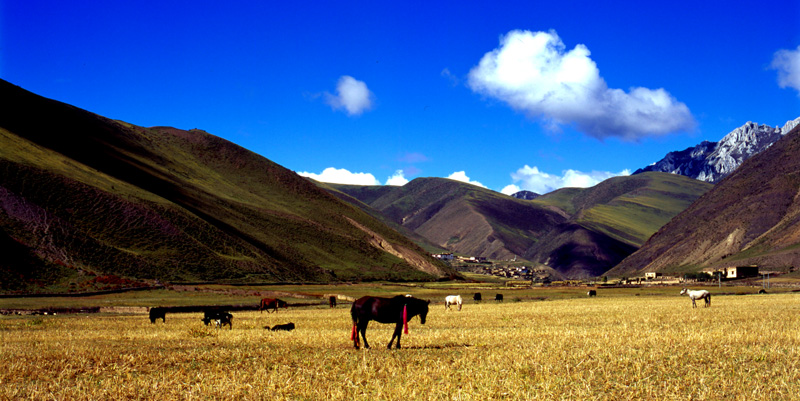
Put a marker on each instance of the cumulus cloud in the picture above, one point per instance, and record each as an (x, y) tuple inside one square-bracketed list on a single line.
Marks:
[(342, 176), (462, 176), (510, 189), (787, 63), (532, 179), (534, 73), (398, 179), (352, 95)]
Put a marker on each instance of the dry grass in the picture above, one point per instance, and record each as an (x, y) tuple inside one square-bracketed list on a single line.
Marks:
[(742, 348)]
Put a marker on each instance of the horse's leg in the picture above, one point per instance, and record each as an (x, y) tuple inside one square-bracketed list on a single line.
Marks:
[(362, 328), (398, 331), (694, 304)]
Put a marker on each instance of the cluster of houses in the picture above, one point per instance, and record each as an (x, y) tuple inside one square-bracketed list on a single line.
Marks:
[(465, 259), (725, 273), (482, 266)]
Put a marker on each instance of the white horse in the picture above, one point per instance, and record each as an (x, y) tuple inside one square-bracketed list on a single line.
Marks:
[(698, 294), (452, 300)]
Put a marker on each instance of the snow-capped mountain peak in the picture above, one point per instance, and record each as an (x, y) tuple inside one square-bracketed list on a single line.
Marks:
[(713, 161)]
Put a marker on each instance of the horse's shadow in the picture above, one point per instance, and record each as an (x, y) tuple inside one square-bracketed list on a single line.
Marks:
[(442, 346)]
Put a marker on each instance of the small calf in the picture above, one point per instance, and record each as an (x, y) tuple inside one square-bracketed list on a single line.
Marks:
[(592, 293), (158, 313), (283, 327), (219, 318)]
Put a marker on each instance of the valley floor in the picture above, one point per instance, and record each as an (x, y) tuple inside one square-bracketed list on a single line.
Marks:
[(609, 347)]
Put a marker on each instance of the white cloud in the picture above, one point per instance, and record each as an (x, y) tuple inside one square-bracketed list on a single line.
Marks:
[(533, 73), (532, 179), (462, 176), (510, 189), (787, 62), (352, 95), (342, 176), (398, 179)]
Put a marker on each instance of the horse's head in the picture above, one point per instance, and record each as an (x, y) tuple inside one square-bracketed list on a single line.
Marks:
[(423, 312), (684, 291)]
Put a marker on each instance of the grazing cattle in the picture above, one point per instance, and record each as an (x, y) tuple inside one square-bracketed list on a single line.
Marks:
[(592, 293), (698, 294), (158, 313), (332, 301), (283, 327), (477, 297), (453, 300), (398, 310), (498, 297), (272, 303), (220, 318)]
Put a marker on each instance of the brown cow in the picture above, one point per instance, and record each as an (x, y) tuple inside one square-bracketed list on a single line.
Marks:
[(272, 303)]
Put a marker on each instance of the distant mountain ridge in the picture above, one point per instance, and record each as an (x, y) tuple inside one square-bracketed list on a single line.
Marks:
[(577, 232), (525, 195), (713, 161)]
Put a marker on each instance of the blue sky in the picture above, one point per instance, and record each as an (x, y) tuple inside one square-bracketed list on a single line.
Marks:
[(509, 95)]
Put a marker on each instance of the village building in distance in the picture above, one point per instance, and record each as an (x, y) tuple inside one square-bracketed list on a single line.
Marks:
[(481, 265)]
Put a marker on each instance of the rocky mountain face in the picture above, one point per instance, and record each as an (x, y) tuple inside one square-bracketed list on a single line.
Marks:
[(713, 161), (752, 217), (525, 195)]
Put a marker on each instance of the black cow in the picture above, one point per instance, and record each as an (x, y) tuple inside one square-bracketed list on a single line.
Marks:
[(283, 327), (477, 297), (498, 297), (158, 313), (762, 291), (592, 293), (220, 318), (332, 301)]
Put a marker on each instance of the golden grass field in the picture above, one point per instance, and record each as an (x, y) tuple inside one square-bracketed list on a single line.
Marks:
[(604, 348)]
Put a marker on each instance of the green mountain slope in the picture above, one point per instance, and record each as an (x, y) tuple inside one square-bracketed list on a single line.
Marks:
[(628, 208), (578, 232), (83, 196), (611, 220), (459, 217), (751, 217)]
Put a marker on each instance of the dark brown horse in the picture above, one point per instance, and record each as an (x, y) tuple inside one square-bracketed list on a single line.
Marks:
[(272, 303), (398, 310)]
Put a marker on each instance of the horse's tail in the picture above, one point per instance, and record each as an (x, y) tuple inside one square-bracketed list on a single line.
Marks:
[(354, 332), (709, 299)]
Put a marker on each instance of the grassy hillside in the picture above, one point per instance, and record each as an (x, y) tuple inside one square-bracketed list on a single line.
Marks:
[(462, 218), (611, 220), (629, 209), (751, 217), (580, 232), (87, 197)]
